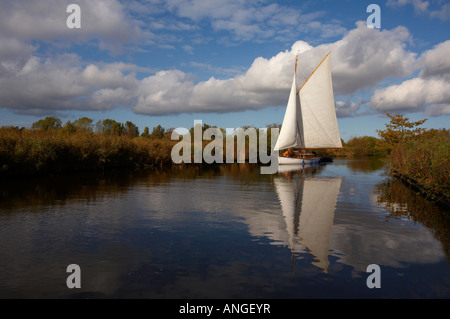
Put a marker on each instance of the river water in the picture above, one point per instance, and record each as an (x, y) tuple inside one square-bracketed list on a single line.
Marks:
[(223, 232)]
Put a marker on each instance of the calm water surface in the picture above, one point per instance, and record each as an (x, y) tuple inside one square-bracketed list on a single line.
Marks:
[(226, 232)]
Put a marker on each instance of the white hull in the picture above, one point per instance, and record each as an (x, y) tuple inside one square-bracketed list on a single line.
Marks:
[(297, 161)]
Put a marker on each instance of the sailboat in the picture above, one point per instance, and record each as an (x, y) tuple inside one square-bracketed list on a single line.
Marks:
[(310, 119)]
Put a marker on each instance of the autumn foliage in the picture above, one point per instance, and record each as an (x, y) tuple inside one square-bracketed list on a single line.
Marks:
[(419, 155), (49, 148)]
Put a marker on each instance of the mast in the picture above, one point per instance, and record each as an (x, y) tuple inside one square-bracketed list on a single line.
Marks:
[(290, 132), (298, 126)]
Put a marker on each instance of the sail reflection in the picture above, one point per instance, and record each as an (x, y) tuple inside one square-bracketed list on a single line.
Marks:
[(308, 204)]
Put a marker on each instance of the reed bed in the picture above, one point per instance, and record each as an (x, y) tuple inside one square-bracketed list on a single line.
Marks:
[(425, 161), (30, 152)]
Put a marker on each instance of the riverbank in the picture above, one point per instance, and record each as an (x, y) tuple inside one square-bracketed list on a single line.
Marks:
[(423, 163)]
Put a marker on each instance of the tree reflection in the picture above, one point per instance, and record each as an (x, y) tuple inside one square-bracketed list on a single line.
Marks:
[(401, 201), (368, 165)]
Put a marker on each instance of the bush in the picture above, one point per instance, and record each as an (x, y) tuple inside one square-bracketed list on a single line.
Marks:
[(363, 146)]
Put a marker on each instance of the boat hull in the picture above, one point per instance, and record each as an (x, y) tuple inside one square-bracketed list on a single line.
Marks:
[(298, 161)]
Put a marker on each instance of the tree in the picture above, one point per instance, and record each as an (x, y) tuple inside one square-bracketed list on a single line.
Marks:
[(111, 127), (84, 123), (69, 127), (363, 146), (130, 129), (50, 122), (158, 132), (146, 132), (399, 130)]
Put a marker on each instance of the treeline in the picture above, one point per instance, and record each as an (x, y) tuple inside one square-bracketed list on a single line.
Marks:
[(50, 147), (108, 127), (356, 147)]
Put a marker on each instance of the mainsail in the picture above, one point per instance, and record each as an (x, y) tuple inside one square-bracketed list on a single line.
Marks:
[(310, 119)]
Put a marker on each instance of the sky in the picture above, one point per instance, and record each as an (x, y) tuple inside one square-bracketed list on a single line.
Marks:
[(228, 63)]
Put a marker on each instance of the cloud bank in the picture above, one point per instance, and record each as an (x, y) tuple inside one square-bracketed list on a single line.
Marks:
[(363, 60)]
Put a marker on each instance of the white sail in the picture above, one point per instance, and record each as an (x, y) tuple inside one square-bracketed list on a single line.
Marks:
[(310, 119), (319, 124), (290, 134)]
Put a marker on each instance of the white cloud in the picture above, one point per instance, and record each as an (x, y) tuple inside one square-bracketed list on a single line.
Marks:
[(434, 9), (363, 58), (419, 5), (253, 20), (12, 48), (102, 20), (110, 76), (443, 13), (412, 95), (163, 93), (264, 84), (429, 92), (347, 108), (436, 61), (188, 49), (37, 84)]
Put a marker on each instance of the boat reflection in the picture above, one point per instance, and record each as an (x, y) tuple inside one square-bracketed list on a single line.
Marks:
[(308, 204)]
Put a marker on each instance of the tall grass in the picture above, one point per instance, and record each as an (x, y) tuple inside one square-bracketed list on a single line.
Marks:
[(27, 152), (425, 160)]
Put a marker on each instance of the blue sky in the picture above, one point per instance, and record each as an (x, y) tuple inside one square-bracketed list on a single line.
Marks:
[(228, 63)]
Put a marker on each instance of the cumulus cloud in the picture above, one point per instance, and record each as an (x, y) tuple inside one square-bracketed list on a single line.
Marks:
[(252, 20), (35, 85), (104, 21), (412, 95), (429, 92), (347, 108), (364, 58), (436, 61), (361, 59)]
